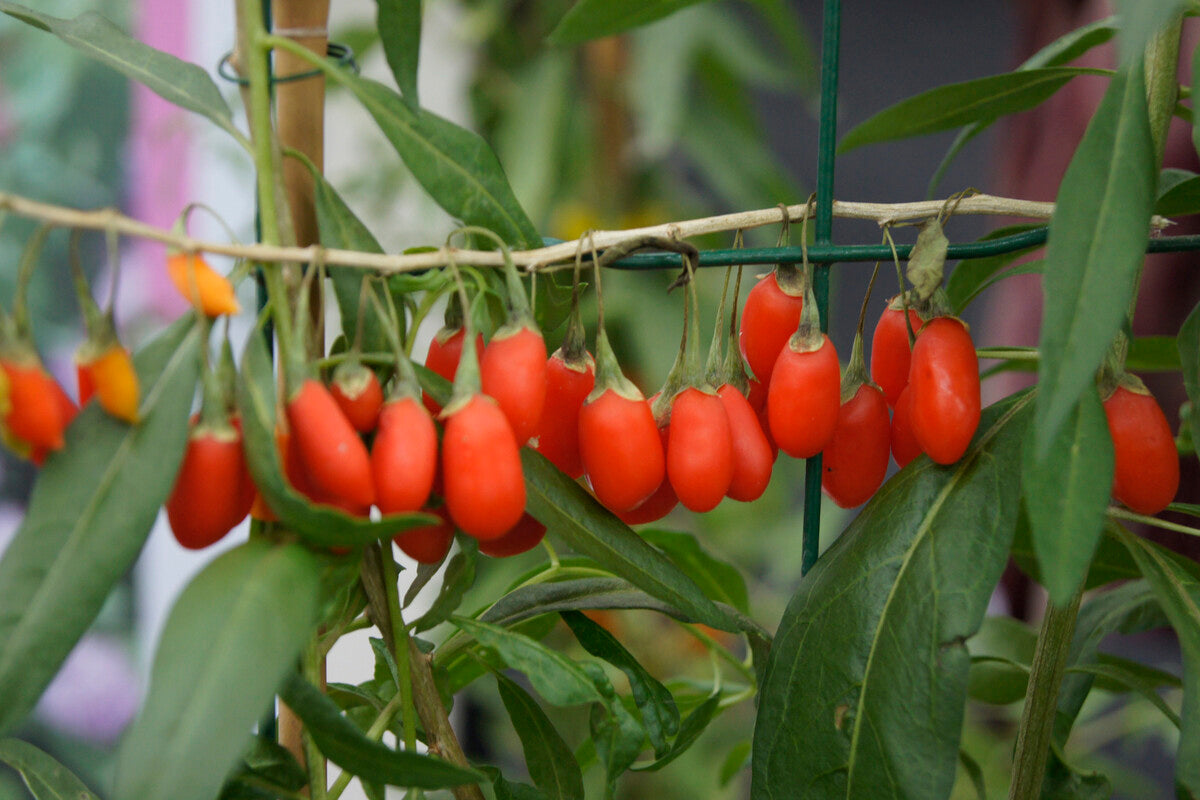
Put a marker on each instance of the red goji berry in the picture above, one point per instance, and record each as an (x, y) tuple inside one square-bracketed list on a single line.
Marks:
[(201, 285), (356, 389), (333, 455), (620, 449), (567, 386), (943, 383), (210, 495), (856, 459), (905, 446), (769, 318), (1146, 463), (890, 350), (699, 449), (804, 397), (404, 456), (513, 372), (753, 457), (522, 537), (428, 544), (481, 469)]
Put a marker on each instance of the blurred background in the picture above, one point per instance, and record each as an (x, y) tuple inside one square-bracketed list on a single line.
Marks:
[(710, 111)]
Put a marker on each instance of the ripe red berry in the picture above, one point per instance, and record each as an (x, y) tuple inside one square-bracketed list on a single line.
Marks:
[(944, 384), (1146, 463), (481, 469), (803, 399), (769, 318), (904, 445), (513, 371), (35, 415), (356, 389), (445, 351), (699, 449), (404, 456), (210, 495), (334, 457), (856, 459), (659, 504), (429, 543), (621, 451), (523, 536), (753, 456), (890, 351), (567, 387)]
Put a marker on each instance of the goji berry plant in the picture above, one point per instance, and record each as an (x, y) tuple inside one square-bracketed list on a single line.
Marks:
[(498, 442)]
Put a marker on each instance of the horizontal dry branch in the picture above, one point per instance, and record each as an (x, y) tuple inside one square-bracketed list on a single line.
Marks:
[(109, 219)]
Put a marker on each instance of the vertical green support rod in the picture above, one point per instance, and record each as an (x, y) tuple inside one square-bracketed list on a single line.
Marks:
[(830, 40)]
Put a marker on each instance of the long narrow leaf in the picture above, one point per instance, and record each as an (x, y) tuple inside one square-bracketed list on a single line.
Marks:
[(593, 19), (231, 636), (399, 24), (92, 508), (345, 745), (1178, 593), (982, 99), (871, 648), (1066, 496), (186, 85), (1097, 241), (46, 778), (548, 758)]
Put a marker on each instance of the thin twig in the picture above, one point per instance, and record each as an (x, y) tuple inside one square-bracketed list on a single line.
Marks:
[(109, 219)]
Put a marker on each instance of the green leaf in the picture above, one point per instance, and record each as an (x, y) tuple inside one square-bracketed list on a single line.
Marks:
[(341, 229), (268, 760), (91, 510), (1153, 354), (719, 580), (1066, 497), (232, 635), (319, 524), (344, 744), (1111, 562), (1189, 360), (971, 275), (1181, 199), (974, 773), (1097, 243), (549, 759), (1000, 656), (554, 676), (690, 729), (456, 166), (1130, 683), (1178, 592), (510, 790), (659, 714), (46, 778), (573, 516), (1063, 50), (617, 737), (594, 19), (981, 99), (872, 643), (456, 580), (399, 24), (1141, 20), (736, 761), (186, 85), (1064, 782)]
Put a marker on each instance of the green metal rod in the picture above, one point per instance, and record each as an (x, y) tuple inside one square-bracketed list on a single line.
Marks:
[(829, 253), (827, 141)]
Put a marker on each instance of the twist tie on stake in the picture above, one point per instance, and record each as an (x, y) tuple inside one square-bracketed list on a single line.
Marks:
[(340, 54)]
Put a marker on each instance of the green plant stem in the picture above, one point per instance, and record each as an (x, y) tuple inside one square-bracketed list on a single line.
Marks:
[(1121, 513), (255, 52), (1162, 84), (439, 734), (399, 647), (1041, 699), (374, 733), (314, 661), (1162, 93)]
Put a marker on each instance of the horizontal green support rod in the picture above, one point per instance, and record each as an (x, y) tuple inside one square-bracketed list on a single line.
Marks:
[(873, 252)]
